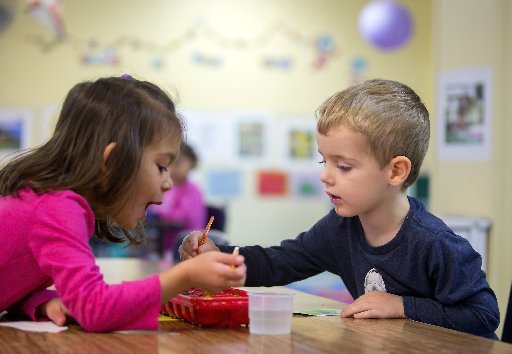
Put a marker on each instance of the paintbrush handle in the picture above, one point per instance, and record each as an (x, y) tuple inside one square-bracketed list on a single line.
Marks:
[(205, 233)]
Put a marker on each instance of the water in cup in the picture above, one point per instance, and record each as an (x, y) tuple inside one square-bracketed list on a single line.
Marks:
[(270, 313)]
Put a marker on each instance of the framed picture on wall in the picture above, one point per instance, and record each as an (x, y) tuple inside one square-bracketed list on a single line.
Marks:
[(297, 144), (15, 134), (253, 139), (464, 114), (211, 134)]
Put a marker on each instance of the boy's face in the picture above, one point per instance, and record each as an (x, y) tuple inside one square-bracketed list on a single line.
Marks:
[(353, 179), (153, 180)]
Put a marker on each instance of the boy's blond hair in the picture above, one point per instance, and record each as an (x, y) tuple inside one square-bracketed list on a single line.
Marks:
[(390, 115)]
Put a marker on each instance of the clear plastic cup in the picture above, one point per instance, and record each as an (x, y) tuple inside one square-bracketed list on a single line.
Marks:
[(270, 313)]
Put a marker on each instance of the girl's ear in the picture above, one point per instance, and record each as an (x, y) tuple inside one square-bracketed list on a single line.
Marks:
[(399, 167), (106, 154)]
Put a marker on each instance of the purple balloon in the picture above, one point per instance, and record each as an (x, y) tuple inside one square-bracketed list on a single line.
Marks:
[(385, 24)]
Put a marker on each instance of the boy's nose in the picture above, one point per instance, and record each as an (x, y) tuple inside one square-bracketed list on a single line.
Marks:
[(325, 177)]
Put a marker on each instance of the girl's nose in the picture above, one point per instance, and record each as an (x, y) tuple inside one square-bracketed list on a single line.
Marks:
[(167, 185)]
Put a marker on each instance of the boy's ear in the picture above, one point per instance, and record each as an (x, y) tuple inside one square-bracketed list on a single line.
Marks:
[(106, 154), (399, 169)]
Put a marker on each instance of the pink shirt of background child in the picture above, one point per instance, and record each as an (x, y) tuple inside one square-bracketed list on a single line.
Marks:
[(45, 241), (184, 205)]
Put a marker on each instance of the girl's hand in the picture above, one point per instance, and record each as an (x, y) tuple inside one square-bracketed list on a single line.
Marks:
[(190, 246), (211, 271), (376, 304), (55, 310)]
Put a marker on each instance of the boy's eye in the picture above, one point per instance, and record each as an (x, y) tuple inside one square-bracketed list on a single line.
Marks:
[(162, 169), (322, 162), (344, 168)]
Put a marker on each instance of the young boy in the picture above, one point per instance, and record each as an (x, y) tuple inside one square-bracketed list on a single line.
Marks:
[(396, 259)]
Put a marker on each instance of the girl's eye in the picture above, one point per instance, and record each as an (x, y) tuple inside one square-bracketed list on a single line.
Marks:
[(162, 169), (344, 168), (322, 162)]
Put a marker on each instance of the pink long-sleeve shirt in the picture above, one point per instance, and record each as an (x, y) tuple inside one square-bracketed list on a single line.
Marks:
[(44, 241), (183, 204)]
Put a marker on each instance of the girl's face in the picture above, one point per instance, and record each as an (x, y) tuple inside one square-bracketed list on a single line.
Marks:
[(354, 180), (153, 180)]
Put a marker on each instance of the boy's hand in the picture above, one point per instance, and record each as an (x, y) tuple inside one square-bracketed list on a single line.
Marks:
[(376, 304), (189, 247), (55, 310)]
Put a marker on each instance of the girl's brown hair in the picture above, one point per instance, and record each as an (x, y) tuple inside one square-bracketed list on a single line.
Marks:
[(129, 112)]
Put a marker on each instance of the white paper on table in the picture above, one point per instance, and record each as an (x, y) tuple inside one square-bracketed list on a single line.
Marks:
[(31, 326)]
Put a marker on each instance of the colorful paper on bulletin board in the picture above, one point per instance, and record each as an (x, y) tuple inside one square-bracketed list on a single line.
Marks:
[(272, 183), (306, 185), (301, 144), (224, 183), (211, 134), (15, 130), (251, 135)]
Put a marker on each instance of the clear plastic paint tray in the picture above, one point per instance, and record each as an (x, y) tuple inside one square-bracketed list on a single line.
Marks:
[(229, 308)]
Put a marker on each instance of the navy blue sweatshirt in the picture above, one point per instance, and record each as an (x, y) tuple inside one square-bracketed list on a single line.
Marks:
[(437, 273)]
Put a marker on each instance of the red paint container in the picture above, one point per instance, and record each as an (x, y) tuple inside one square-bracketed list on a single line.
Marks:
[(229, 308)]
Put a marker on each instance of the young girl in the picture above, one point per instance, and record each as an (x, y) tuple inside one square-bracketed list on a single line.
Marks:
[(107, 161)]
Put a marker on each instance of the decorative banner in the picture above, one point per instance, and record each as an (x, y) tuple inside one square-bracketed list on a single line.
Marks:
[(49, 14), (358, 66), (106, 56), (272, 183), (279, 63), (324, 46), (207, 60), (92, 52), (386, 24)]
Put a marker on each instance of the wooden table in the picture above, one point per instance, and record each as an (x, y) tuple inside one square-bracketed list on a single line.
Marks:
[(309, 334)]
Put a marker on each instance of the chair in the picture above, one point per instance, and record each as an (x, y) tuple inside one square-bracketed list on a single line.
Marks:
[(219, 214), (506, 335)]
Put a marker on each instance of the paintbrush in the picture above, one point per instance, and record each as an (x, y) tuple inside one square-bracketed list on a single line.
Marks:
[(235, 253), (203, 238)]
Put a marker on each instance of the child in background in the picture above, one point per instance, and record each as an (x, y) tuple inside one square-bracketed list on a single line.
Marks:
[(396, 259), (108, 160), (183, 205)]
